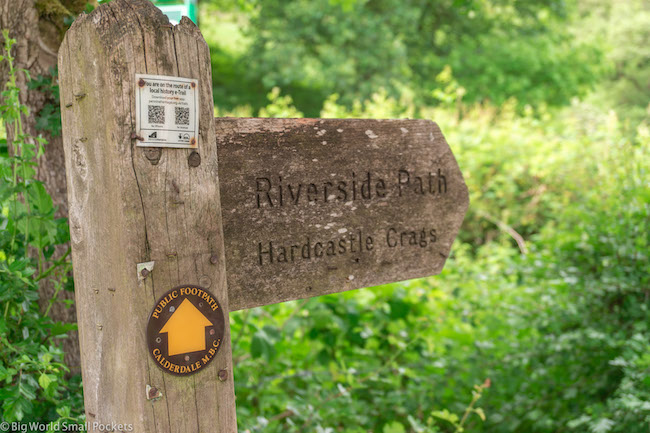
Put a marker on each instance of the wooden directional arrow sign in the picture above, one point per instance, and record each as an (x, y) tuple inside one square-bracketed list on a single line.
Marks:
[(316, 206)]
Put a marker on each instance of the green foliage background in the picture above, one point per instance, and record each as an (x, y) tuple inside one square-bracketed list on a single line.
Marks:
[(32, 373), (539, 322)]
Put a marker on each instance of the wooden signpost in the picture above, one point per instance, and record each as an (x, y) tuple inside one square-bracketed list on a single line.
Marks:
[(309, 206), (316, 206)]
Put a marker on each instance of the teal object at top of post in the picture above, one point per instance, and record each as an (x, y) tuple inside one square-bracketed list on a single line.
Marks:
[(176, 9)]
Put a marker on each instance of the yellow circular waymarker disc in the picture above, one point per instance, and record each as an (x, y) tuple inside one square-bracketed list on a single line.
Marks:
[(185, 330)]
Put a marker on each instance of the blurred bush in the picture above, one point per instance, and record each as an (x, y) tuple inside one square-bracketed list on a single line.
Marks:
[(498, 50)]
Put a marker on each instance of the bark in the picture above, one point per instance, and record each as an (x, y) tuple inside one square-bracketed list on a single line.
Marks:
[(38, 29)]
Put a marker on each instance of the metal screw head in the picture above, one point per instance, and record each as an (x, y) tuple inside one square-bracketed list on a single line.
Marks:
[(194, 160), (158, 339), (141, 83), (223, 375), (144, 273), (214, 259), (212, 331), (193, 142), (187, 358), (193, 84)]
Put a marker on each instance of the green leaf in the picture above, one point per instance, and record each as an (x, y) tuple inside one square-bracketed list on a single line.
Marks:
[(27, 390), (61, 328), (262, 345), (603, 425), (63, 411), (44, 380), (39, 197), (446, 415), (15, 408), (393, 427)]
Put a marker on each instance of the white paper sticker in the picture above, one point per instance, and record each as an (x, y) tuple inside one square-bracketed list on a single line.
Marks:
[(166, 111)]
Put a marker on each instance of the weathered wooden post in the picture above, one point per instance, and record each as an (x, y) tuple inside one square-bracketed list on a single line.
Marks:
[(310, 206), (143, 219)]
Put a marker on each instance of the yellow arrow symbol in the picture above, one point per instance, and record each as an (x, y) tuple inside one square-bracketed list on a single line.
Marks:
[(186, 329)]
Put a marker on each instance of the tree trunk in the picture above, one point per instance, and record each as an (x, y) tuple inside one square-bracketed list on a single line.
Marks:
[(38, 29)]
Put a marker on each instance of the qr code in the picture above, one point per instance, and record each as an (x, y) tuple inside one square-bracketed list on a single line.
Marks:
[(157, 114), (182, 115)]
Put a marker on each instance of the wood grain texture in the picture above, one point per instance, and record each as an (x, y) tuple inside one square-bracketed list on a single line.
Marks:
[(288, 185), (130, 205)]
